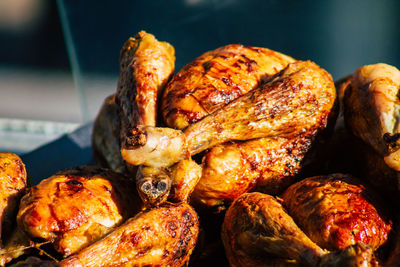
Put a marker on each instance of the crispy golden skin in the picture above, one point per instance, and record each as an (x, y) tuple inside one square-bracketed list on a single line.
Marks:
[(371, 113), (288, 112), (145, 67), (216, 78), (297, 99), (267, 164), (257, 229), (76, 207), (336, 211), (13, 184), (328, 222), (162, 236), (372, 109)]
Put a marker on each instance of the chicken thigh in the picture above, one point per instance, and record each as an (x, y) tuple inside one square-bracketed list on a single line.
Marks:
[(76, 207)]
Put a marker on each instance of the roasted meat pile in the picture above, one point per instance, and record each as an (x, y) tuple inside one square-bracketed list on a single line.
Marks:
[(233, 119), (233, 161)]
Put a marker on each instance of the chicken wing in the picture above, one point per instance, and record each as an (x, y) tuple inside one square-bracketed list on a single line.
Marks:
[(163, 236), (76, 207)]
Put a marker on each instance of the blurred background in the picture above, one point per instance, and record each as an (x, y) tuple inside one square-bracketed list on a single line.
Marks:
[(59, 59)]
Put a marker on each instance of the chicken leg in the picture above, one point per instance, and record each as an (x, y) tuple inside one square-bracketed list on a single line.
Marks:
[(298, 98)]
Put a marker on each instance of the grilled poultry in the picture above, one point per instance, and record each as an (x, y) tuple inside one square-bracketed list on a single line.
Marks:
[(145, 67), (288, 111), (371, 113), (76, 207), (162, 236), (216, 78), (314, 218), (13, 184)]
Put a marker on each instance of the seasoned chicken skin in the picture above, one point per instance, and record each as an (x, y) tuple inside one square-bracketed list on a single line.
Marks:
[(297, 99), (280, 118), (336, 211), (371, 113), (76, 207), (146, 65), (216, 78), (316, 217), (13, 183), (162, 236)]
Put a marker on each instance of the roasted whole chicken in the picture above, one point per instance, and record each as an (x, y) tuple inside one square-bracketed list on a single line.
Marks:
[(249, 113), (328, 220)]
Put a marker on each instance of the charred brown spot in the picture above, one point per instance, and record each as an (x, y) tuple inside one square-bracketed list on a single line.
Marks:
[(132, 238), (249, 63), (227, 81), (255, 49), (135, 137)]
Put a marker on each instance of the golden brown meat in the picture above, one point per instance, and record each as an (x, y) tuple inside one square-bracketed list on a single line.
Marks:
[(13, 184), (287, 113), (145, 67), (297, 99), (76, 207), (336, 212), (184, 175), (268, 164), (216, 78), (257, 229), (329, 221), (371, 113), (162, 236), (372, 109)]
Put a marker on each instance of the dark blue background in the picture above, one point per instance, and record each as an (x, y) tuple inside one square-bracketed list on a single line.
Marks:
[(339, 35)]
